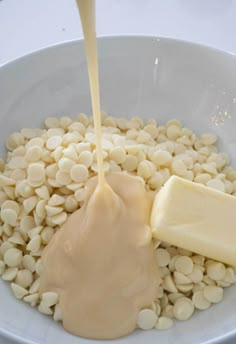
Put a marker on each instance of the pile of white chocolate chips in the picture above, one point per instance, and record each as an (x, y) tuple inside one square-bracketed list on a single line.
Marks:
[(44, 180)]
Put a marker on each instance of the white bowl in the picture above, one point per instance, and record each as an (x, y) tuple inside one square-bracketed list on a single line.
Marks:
[(140, 76)]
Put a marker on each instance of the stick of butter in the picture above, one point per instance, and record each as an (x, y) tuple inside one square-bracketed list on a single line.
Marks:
[(196, 218)]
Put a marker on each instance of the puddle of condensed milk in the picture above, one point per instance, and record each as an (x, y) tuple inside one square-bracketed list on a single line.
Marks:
[(101, 261)]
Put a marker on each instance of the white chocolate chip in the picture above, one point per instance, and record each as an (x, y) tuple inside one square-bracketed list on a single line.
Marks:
[(183, 308), (50, 298), (24, 278), (207, 280), (9, 216), (213, 294), (229, 276), (164, 271), (196, 275), (56, 200), (199, 260), (32, 299), (13, 257), (163, 257), (27, 223), (52, 122), (17, 239), (11, 205), (34, 244), (216, 184), (29, 263), (5, 246), (173, 132), (168, 311), (198, 286), (43, 192), (164, 323), (199, 300), (173, 297), (34, 288), (208, 139), (185, 288), (130, 163), (162, 158), (145, 169), (36, 174), (46, 235), (18, 291), (59, 219), (164, 301), (30, 203), (85, 158), (147, 319), (117, 154), (43, 308), (216, 271), (169, 285), (33, 154), (9, 274), (71, 204), (80, 195), (53, 142), (79, 173), (63, 178), (57, 316), (184, 265), (180, 278), (52, 211)]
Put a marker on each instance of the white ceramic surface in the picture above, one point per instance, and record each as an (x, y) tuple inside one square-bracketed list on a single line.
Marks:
[(32, 25), (144, 76)]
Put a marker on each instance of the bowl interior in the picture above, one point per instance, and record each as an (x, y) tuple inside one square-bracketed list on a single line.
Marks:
[(140, 76)]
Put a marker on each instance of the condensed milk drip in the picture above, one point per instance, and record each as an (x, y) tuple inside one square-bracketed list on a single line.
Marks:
[(101, 261), (87, 16)]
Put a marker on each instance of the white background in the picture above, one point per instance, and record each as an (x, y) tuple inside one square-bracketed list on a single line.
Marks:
[(28, 25)]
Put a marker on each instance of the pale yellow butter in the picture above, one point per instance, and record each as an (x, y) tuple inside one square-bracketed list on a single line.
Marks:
[(196, 218)]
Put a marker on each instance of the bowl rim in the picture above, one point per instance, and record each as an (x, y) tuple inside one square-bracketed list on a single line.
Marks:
[(67, 43)]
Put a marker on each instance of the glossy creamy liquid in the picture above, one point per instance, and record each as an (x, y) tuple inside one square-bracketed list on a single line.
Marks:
[(87, 16), (101, 261)]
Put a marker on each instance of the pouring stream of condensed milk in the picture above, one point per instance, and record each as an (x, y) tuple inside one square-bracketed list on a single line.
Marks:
[(87, 16), (101, 261)]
